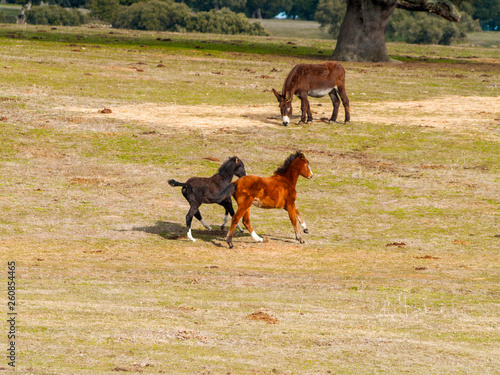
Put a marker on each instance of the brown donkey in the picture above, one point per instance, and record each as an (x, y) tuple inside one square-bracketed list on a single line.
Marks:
[(315, 80)]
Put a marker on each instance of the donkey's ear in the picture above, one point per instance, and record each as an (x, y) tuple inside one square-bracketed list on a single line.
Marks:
[(277, 94), (237, 161)]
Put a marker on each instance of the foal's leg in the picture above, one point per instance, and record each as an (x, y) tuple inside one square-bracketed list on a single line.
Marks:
[(205, 224), (229, 211), (292, 214), (243, 206), (189, 219), (302, 222), (246, 223), (336, 104)]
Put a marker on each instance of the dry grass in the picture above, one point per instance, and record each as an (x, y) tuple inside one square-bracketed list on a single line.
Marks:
[(399, 274)]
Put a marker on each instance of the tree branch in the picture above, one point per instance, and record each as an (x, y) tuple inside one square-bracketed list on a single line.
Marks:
[(442, 8)]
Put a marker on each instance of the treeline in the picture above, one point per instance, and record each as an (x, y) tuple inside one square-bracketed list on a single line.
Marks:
[(231, 16)]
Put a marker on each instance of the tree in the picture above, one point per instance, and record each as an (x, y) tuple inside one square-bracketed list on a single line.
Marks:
[(362, 32), (488, 13)]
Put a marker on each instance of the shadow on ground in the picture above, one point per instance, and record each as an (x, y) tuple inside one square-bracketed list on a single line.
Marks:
[(176, 231)]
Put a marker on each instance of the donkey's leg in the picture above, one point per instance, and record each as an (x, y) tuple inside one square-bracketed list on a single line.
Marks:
[(205, 224), (302, 222), (345, 102), (309, 113), (246, 223), (292, 214), (189, 219), (336, 104), (304, 107)]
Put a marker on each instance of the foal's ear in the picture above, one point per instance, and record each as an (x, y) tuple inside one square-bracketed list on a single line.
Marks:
[(277, 94)]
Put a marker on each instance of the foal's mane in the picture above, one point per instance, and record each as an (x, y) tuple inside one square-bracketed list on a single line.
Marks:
[(223, 167), (281, 170)]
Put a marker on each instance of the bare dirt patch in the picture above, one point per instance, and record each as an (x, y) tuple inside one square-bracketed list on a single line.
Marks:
[(458, 114)]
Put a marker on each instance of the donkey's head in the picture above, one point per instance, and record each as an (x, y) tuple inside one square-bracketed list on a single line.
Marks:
[(285, 106)]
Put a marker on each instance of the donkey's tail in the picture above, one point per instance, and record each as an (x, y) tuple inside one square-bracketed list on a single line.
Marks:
[(175, 183), (226, 192)]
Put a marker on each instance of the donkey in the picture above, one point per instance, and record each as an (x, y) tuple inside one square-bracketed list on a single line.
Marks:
[(199, 190), (315, 80)]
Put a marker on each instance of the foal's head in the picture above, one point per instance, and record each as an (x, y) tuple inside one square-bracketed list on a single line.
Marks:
[(285, 103), (305, 168), (296, 162), (239, 167)]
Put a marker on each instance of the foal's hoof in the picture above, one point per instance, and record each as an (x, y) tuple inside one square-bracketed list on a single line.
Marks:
[(306, 231), (230, 244)]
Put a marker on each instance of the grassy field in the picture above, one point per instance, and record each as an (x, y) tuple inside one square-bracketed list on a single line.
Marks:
[(400, 271)]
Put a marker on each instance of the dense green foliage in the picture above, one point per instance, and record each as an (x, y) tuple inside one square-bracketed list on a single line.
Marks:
[(330, 14), (103, 9), (488, 13), (153, 15), (55, 15), (422, 28), (404, 26), (171, 16), (223, 21)]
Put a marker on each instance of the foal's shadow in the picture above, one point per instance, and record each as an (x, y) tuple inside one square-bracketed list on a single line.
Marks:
[(216, 236), (176, 231)]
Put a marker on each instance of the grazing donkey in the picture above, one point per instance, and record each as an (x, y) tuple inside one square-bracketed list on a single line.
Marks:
[(199, 190), (315, 80)]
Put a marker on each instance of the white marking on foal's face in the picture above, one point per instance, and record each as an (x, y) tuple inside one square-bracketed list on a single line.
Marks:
[(309, 167)]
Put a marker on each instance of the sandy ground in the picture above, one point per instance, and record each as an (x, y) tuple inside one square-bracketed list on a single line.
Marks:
[(466, 115)]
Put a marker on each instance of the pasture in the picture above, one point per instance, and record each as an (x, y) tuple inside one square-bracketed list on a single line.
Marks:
[(399, 273)]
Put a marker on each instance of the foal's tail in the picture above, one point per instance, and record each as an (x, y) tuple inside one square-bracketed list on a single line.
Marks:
[(226, 192), (176, 183)]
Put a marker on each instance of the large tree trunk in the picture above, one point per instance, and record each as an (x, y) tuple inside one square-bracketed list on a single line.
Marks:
[(362, 33)]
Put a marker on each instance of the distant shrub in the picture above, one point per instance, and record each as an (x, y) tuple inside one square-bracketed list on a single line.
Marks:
[(422, 28), (224, 21), (168, 15), (330, 14), (153, 15), (55, 15), (7, 17), (105, 10)]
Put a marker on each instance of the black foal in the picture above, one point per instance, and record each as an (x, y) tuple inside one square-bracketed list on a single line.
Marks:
[(199, 190)]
